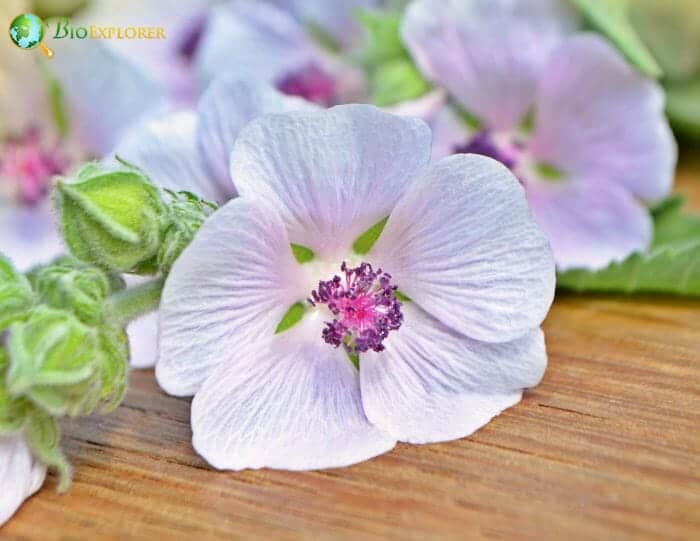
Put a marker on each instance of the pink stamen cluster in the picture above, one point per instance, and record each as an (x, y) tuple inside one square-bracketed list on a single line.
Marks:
[(28, 163), (310, 83), (365, 307)]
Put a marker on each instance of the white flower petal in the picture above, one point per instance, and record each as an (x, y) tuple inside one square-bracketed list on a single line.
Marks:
[(334, 173), (253, 40), (488, 54), (20, 474), (231, 286), (165, 147), (289, 402), (597, 117), (107, 94), (433, 384), (463, 245), (143, 341), (590, 222), (225, 108)]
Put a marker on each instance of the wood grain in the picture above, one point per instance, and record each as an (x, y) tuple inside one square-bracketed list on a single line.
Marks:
[(607, 447)]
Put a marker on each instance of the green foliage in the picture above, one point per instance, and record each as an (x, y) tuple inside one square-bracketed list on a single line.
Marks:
[(611, 18), (43, 437), (291, 317), (683, 106), (186, 214), (13, 410), (392, 76), (671, 265), (366, 241), (302, 254), (16, 296), (114, 219)]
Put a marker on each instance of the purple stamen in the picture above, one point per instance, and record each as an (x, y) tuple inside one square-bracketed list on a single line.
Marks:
[(483, 143), (364, 305), (310, 83), (28, 163)]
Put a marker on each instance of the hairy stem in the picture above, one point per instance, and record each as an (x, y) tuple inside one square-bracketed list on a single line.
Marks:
[(129, 304)]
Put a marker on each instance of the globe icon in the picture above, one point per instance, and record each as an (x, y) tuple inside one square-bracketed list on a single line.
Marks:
[(27, 31)]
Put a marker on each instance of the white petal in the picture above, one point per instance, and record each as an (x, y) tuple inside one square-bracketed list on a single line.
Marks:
[(28, 235), (334, 173), (143, 341), (165, 147), (433, 384), (231, 286), (589, 222), (487, 53), (253, 40), (463, 245), (225, 108), (286, 402), (106, 103), (598, 118), (20, 474)]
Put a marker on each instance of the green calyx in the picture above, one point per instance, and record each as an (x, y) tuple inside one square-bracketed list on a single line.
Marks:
[(16, 295), (114, 219)]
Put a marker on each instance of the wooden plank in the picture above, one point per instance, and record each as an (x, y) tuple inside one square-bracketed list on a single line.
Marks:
[(606, 447)]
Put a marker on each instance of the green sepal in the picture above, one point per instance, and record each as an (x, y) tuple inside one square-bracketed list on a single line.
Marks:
[(683, 106), (366, 240), (611, 18), (113, 368), (111, 218), (16, 295), (43, 437), (13, 410), (670, 266), (383, 34), (396, 81), (72, 285), (301, 253), (291, 317), (187, 213)]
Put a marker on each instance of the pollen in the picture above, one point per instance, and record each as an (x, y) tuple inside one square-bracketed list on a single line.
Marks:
[(364, 307)]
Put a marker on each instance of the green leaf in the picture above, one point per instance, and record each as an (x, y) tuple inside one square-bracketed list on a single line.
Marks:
[(364, 242), (13, 411), (302, 254), (383, 31), (396, 81), (291, 317), (16, 295), (111, 218), (611, 18), (670, 266), (683, 106), (43, 437)]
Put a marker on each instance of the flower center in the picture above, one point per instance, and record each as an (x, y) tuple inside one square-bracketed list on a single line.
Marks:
[(505, 150), (28, 165), (364, 308), (310, 83)]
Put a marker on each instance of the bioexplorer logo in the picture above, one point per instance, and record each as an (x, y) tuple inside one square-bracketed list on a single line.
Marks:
[(27, 31)]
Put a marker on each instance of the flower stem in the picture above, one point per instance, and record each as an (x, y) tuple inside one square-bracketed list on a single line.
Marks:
[(129, 304)]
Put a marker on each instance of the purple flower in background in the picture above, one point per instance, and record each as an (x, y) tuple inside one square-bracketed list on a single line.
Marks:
[(441, 314), (582, 131), (260, 41), (189, 150)]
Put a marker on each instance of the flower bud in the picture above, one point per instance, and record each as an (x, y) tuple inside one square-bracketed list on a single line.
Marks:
[(13, 411), (111, 218), (16, 295), (187, 214), (71, 285)]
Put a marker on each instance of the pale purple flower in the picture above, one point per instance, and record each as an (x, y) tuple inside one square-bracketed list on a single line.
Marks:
[(460, 242), (21, 474), (257, 40), (583, 132), (189, 150)]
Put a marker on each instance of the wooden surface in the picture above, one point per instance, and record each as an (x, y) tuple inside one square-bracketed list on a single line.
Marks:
[(607, 447)]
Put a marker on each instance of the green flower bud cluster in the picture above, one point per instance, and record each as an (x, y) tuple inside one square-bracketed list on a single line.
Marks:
[(59, 354), (118, 220)]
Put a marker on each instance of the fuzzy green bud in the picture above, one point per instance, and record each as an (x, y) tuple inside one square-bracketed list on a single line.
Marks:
[(13, 410), (112, 218), (187, 214), (16, 295)]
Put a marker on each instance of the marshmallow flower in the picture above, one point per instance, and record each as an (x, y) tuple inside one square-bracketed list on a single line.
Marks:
[(189, 150), (21, 475), (582, 131), (363, 366)]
